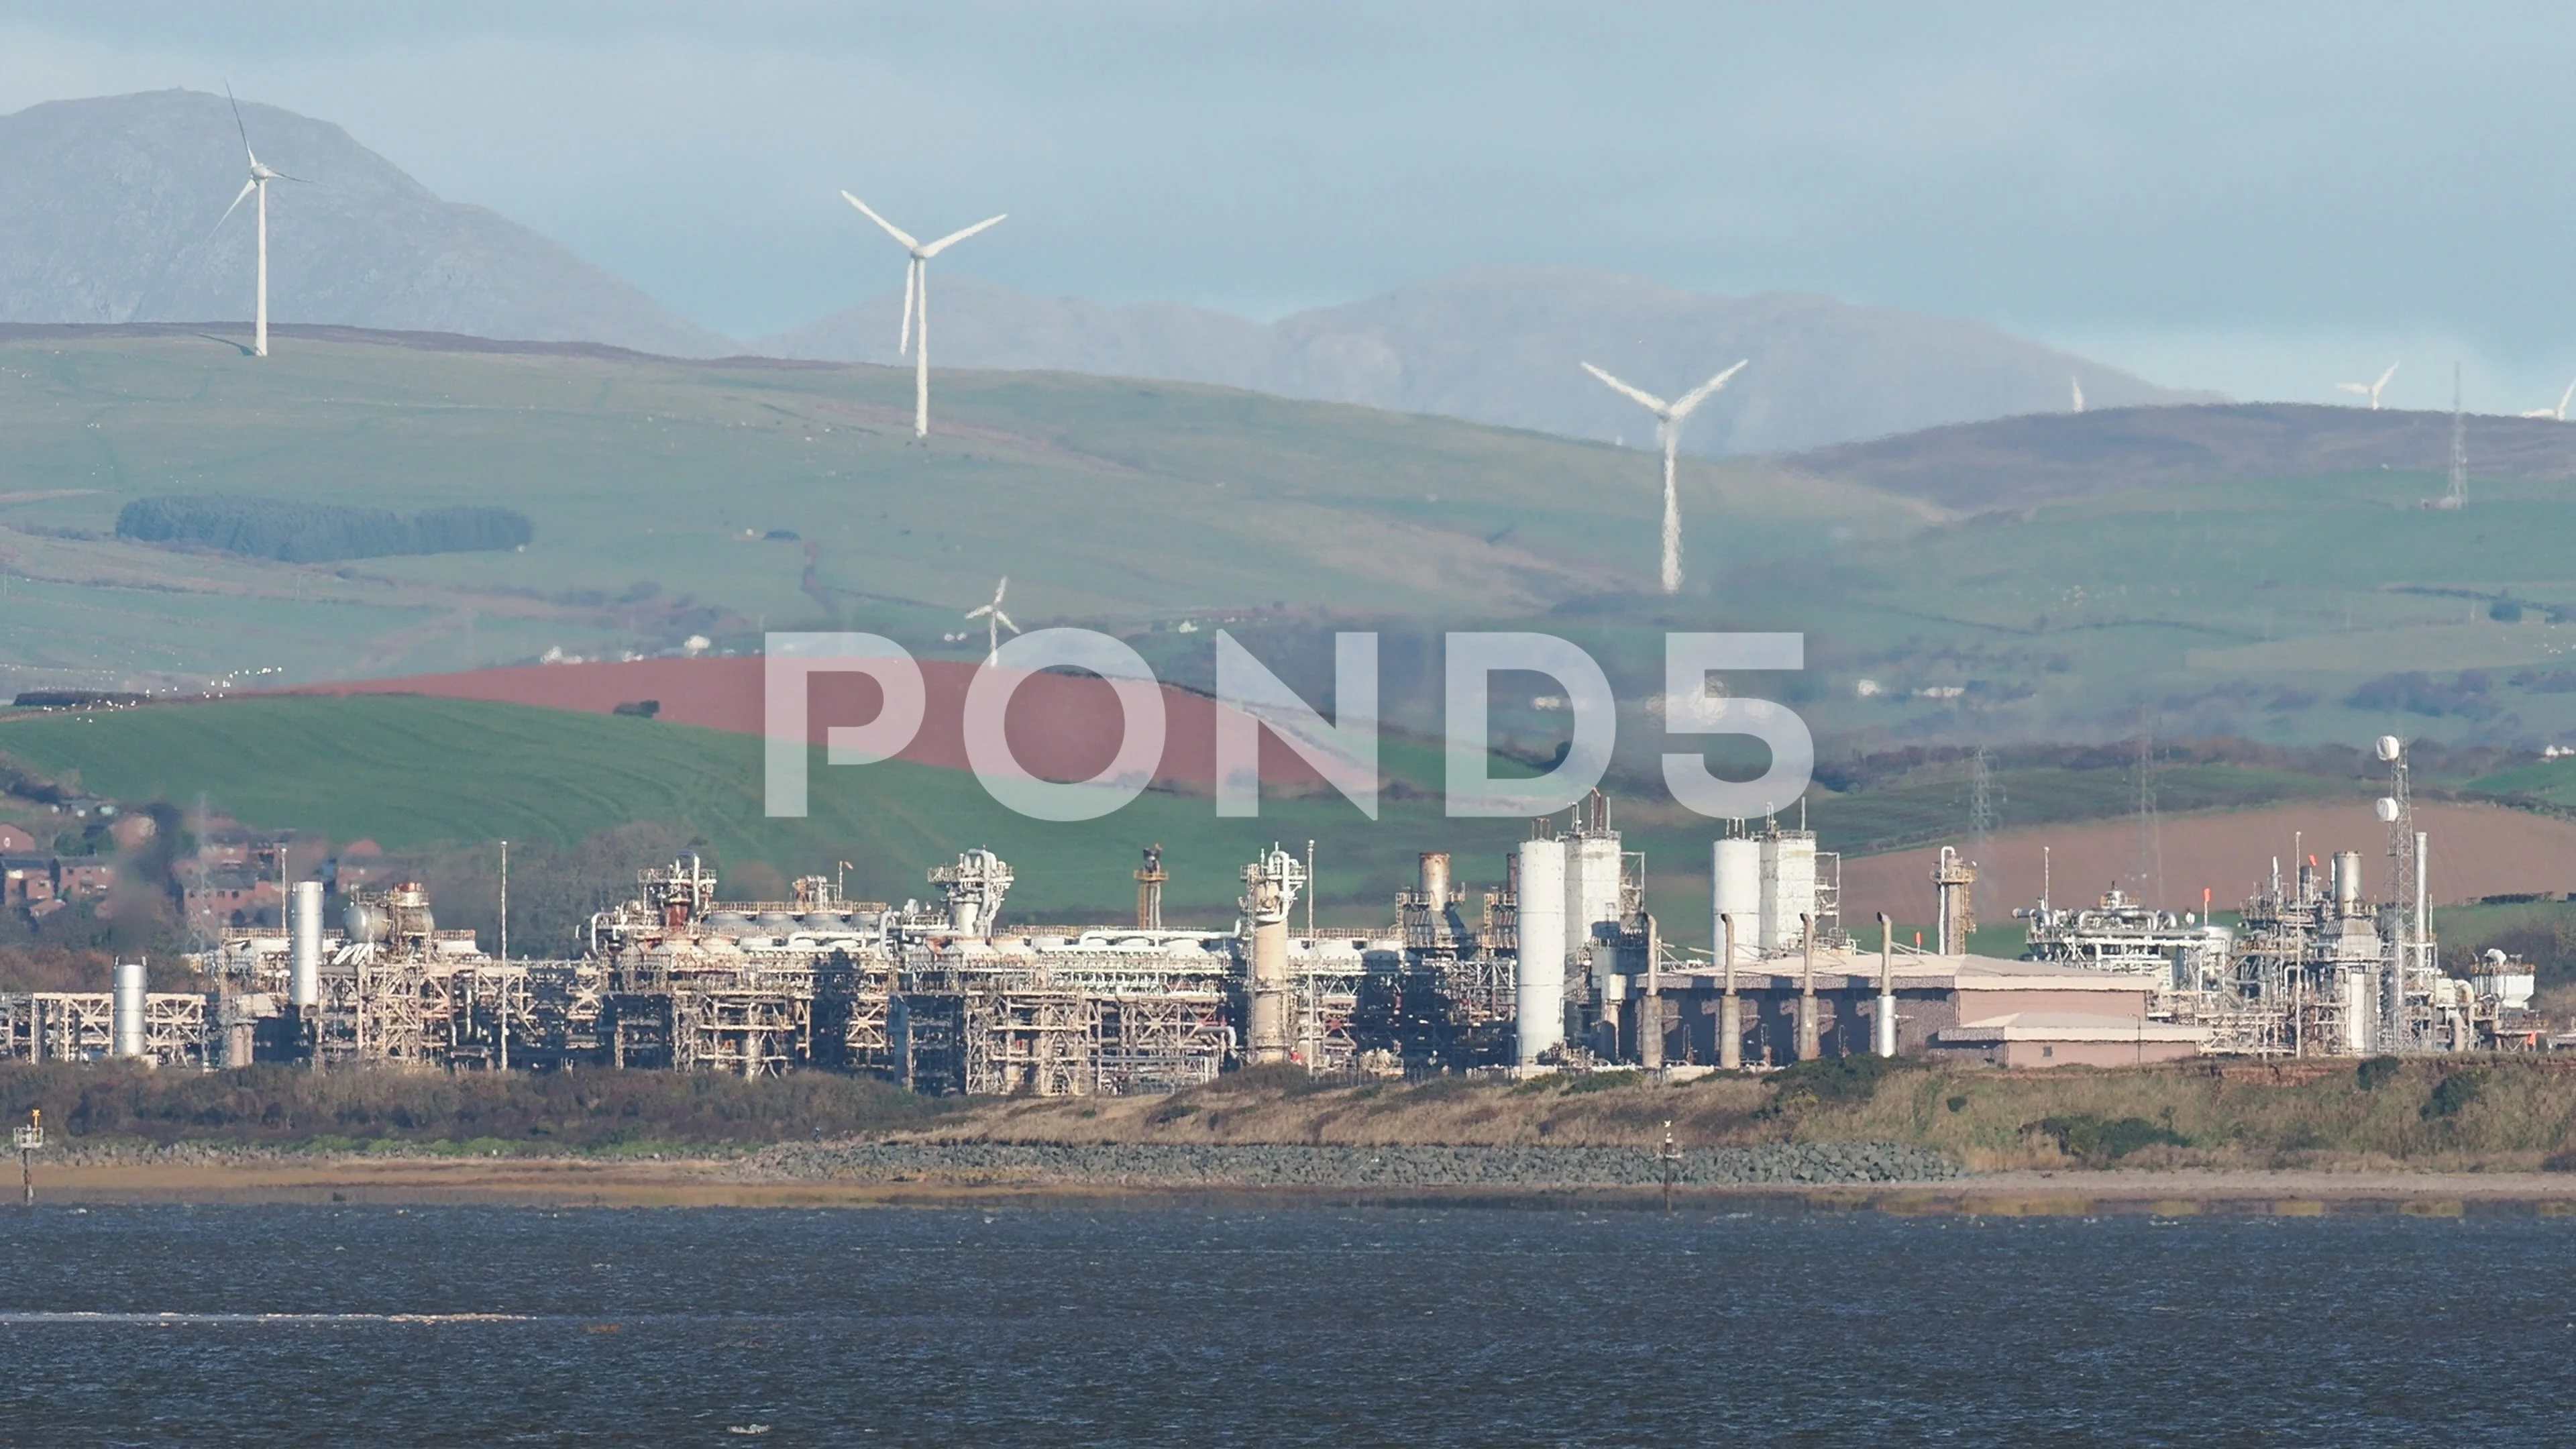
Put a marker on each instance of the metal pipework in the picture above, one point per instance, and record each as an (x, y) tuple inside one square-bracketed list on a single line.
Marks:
[(1885, 1026), (1730, 1007), (1810, 1042)]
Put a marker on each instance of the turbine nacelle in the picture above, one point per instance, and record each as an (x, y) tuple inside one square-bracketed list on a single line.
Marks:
[(2370, 390), (1669, 417), (916, 300)]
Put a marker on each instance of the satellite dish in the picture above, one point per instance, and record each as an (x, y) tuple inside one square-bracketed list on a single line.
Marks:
[(2390, 747), (2387, 811)]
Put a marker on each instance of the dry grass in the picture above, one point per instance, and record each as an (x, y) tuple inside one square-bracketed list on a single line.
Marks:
[(2496, 1115)]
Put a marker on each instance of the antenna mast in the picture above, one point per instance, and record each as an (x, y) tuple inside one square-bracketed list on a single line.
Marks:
[(1981, 814), (2459, 494), (2151, 862)]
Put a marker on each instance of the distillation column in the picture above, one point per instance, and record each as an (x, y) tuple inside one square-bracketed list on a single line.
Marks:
[(1271, 885)]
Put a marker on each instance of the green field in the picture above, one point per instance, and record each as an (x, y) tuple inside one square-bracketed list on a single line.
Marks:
[(2253, 608), (428, 776)]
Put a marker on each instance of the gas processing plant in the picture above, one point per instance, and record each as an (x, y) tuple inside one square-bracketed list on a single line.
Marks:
[(1558, 968)]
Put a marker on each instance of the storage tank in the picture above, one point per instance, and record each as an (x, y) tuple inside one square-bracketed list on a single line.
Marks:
[(125, 1011), (2347, 883), (364, 923), (1788, 887), (1538, 1016), (1737, 871), (1591, 892), (304, 929)]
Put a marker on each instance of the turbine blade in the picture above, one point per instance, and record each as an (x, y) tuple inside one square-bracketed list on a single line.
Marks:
[(1005, 621), (954, 237), (2360, 389), (1000, 589), (979, 613), (891, 229), (1649, 399), (2565, 398), (903, 342), (237, 123), (238, 198), (2384, 377), (1700, 394)]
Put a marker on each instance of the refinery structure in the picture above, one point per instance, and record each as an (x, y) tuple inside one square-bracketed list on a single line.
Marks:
[(1559, 968)]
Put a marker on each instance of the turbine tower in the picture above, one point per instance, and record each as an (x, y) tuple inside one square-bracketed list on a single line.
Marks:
[(260, 176), (995, 621), (916, 305), (2557, 414), (2370, 390), (1669, 417)]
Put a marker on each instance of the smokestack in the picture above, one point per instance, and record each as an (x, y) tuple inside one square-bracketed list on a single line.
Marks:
[(1810, 1035), (1886, 1026), (2347, 883), (1730, 1007)]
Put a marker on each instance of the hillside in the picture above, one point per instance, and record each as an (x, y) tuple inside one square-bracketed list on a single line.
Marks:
[(2015, 462), (673, 498), (1500, 345), (108, 212)]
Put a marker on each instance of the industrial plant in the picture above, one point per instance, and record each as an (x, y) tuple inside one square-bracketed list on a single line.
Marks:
[(1559, 968)]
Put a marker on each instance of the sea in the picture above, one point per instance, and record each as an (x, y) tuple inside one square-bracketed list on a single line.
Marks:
[(1215, 1324)]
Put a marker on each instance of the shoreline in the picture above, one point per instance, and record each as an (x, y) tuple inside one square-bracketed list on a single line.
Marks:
[(565, 1182)]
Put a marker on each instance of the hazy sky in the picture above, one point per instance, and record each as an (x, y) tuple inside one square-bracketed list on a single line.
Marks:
[(2262, 198)]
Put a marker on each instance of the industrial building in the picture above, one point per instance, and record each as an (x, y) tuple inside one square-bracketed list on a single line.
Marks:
[(1560, 968)]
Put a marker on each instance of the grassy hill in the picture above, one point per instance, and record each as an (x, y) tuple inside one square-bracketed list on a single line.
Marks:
[(2236, 592), (656, 486)]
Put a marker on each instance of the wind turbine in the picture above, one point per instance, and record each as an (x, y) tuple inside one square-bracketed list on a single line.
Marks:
[(2077, 384), (2558, 413), (1669, 417), (916, 305), (2370, 390), (260, 176), (995, 621)]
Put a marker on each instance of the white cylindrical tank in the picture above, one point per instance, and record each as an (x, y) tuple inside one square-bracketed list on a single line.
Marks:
[(1736, 868), (1788, 883), (2347, 882), (304, 928), (1591, 890), (1538, 1015), (125, 1011)]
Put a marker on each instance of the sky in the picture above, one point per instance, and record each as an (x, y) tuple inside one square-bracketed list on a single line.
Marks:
[(2260, 199)]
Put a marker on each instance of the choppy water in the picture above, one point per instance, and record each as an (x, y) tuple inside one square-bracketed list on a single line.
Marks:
[(1191, 1326)]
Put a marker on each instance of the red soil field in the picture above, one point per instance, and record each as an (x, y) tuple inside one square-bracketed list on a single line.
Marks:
[(1062, 727)]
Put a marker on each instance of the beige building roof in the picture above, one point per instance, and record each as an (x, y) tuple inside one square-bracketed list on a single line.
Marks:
[(1912, 971)]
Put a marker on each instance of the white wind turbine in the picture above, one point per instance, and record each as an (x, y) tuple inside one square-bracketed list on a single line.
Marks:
[(260, 176), (2370, 390), (2077, 384), (916, 303), (2558, 413), (1669, 417), (995, 621)]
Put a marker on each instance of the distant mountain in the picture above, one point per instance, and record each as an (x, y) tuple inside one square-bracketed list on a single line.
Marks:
[(1502, 346), (2014, 462), (108, 211)]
